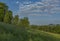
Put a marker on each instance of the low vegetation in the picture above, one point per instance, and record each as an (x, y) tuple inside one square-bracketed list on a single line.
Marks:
[(13, 33)]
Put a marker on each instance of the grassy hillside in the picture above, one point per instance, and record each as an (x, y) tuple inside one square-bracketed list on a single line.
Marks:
[(14, 33), (37, 35)]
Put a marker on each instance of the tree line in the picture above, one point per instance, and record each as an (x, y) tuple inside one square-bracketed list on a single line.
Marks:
[(53, 28), (6, 16)]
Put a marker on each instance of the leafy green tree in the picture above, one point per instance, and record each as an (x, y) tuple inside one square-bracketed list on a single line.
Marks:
[(24, 22), (15, 20), (6, 18), (3, 9), (10, 16)]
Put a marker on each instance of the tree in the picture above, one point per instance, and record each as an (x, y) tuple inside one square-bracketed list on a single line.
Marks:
[(10, 16), (15, 20), (6, 18), (3, 9), (24, 22)]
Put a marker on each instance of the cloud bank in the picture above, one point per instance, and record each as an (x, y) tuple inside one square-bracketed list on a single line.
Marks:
[(47, 7), (41, 12)]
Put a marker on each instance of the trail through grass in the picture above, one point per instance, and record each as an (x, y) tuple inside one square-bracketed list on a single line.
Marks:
[(37, 35)]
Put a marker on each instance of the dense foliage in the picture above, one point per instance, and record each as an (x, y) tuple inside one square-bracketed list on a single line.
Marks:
[(12, 33), (6, 16), (47, 28)]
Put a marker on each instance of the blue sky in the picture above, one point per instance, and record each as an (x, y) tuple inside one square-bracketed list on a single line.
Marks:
[(39, 12)]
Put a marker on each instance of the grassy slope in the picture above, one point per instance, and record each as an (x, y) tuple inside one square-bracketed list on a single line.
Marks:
[(35, 35), (12, 33)]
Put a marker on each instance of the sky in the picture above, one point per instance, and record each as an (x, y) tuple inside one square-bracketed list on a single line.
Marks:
[(39, 12)]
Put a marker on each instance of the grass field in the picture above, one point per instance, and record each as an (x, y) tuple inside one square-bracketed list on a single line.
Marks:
[(14, 33), (44, 36)]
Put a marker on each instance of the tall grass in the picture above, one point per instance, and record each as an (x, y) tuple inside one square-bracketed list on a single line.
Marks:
[(13, 33)]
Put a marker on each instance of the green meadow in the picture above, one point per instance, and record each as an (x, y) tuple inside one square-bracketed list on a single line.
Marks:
[(13, 33)]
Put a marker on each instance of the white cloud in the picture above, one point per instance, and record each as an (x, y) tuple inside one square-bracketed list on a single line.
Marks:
[(17, 2), (46, 6), (39, 15)]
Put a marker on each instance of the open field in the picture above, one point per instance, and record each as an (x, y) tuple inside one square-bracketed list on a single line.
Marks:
[(14, 33)]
